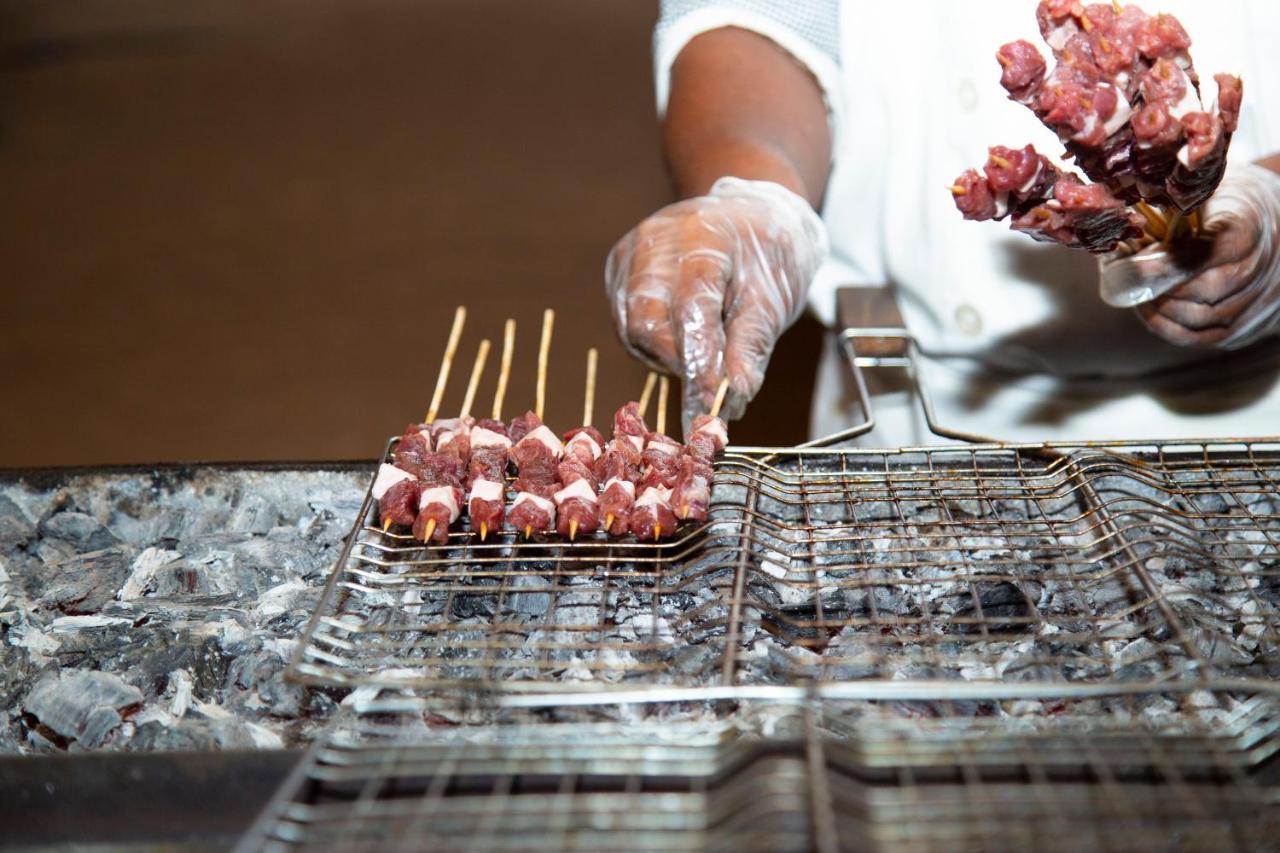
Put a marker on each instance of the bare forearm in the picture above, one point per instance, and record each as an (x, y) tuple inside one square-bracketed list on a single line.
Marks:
[(740, 105)]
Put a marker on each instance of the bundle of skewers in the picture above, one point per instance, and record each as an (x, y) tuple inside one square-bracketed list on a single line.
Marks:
[(639, 482)]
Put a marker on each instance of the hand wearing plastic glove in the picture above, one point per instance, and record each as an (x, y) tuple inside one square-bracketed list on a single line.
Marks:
[(1221, 288), (704, 287)]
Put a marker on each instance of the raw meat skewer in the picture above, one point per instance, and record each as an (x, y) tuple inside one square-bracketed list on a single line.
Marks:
[(576, 502), (536, 453), (691, 495), (491, 452), (444, 472), (398, 495), (652, 510), (620, 464)]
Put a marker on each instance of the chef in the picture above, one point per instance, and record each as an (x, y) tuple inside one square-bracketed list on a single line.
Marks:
[(812, 144)]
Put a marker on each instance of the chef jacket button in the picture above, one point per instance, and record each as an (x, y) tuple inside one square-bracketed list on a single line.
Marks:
[(967, 95), (968, 320)]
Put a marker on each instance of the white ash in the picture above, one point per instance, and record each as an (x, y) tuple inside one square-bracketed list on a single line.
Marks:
[(156, 610)]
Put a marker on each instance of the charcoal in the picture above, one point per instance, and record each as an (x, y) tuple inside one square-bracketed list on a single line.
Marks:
[(162, 586), (16, 528), (79, 530), (83, 706), (84, 583)]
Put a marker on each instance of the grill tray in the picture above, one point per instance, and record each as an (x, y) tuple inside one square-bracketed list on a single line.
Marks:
[(817, 775), (1000, 567)]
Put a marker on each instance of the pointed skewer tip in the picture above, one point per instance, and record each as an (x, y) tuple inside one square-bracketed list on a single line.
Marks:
[(431, 531), (484, 530), (608, 522), (528, 531), (657, 532), (386, 524), (1000, 161), (573, 530), (956, 189)]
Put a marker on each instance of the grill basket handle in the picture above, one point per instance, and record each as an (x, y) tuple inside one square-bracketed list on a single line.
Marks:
[(875, 335)]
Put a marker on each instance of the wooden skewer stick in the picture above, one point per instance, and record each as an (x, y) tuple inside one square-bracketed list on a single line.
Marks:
[(442, 379), (504, 371), (484, 526), (1156, 224), (477, 370), (589, 398), (664, 385), (386, 524), (573, 529), (1175, 226), (647, 392), (719, 401), (431, 529), (544, 349)]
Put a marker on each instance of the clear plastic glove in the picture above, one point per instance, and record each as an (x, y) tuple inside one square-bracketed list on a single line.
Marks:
[(1220, 288), (704, 287)]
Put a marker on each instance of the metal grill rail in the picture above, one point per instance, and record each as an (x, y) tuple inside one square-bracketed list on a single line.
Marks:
[(822, 775), (1143, 564)]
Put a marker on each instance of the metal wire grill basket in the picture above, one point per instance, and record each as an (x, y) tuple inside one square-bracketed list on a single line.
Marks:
[(817, 774), (1143, 564)]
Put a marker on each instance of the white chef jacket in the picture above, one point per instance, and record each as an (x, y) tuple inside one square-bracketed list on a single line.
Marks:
[(1018, 343)]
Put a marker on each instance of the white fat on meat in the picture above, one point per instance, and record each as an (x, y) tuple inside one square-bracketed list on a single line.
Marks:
[(444, 496), (580, 489), (1190, 101), (716, 428), (537, 500), (388, 476), (637, 441), (654, 496), (486, 490), (1120, 117), (481, 437), (548, 438), (585, 439), (626, 485), (668, 448)]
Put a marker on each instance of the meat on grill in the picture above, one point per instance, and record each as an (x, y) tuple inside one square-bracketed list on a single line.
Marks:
[(651, 517), (487, 476), (397, 492), (577, 503), (619, 470), (537, 456), (413, 446), (441, 499), (575, 486), (691, 494)]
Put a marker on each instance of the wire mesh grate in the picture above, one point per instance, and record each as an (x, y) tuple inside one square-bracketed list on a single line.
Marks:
[(818, 774), (1013, 565)]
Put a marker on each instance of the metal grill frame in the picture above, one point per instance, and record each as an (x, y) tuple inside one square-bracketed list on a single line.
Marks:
[(1106, 525), (819, 775)]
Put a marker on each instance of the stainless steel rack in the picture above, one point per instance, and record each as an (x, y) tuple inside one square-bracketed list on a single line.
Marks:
[(815, 775), (1142, 563)]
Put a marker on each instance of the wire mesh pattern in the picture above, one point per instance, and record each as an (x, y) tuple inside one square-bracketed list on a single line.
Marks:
[(819, 775), (1014, 565)]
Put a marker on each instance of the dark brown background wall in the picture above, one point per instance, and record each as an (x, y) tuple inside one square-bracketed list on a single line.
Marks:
[(237, 229)]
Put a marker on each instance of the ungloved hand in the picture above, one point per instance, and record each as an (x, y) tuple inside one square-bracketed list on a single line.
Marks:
[(1220, 288), (704, 287)]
